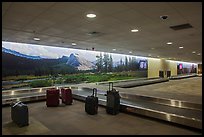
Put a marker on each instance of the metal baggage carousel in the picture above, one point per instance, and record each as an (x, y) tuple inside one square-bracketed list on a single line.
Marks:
[(182, 76), (174, 111), (137, 82)]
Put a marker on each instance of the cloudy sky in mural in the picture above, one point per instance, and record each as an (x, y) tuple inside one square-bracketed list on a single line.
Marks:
[(56, 52)]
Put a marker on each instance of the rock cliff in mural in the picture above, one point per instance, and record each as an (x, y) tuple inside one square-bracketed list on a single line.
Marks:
[(79, 62)]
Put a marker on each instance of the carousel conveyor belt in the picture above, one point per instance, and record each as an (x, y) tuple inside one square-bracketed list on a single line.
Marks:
[(138, 82), (180, 112)]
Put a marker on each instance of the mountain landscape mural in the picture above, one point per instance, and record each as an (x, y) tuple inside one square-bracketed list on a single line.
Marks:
[(15, 63), (25, 59)]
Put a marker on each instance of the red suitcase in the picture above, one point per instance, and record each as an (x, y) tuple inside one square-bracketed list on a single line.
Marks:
[(66, 95), (52, 97)]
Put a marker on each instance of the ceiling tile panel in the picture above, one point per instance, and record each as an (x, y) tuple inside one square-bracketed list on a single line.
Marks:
[(60, 23)]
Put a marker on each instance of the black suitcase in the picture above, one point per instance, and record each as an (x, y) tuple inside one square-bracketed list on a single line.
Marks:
[(19, 114), (112, 101), (91, 103)]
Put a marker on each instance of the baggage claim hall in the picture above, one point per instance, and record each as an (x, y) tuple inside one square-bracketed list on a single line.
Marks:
[(101, 68)]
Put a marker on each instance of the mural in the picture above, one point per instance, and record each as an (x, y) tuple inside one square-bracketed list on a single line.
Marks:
[(186, 68), (39, 60)]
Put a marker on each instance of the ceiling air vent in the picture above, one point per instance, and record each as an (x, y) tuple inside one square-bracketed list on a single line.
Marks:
[(94, 33), (182, 26)]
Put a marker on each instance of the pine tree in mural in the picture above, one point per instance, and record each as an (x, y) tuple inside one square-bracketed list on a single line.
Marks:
[(99, 63), (110, 64), (126, 63), (134, 63), (105, 62), (130, 64), (121, 66)]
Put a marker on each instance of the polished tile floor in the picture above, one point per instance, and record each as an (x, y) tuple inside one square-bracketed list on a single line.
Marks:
[(73, 119), (189, 89)]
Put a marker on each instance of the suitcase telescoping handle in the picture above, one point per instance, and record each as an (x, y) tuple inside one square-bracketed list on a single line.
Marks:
[(110, 83), (16, 103), (94, 92)]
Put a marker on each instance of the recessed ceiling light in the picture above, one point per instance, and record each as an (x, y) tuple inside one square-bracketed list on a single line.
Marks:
[(193, 52), (134, 30), (181, 47), (169, 43), (91, 15), (149, 55), (158, 56), (114, 49), (73, 44), (198, 54), (130, 51), (152, 48), (36, 39)]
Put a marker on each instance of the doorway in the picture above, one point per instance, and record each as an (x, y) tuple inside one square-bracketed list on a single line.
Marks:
[(161, 74)]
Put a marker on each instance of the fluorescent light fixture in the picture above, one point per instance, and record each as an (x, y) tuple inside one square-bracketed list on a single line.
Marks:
[(134, 30), (181, 47), (130, 51), (114, 49), (36, 39), (73, 44), (198, 54), (149, 55), (158, 56), (193, 52), (91, 15), (169, 43), (152, 48)]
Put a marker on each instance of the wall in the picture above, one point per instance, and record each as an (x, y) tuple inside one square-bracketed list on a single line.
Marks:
[(172, 66), (155, 65), (199, 70), (70, 61)]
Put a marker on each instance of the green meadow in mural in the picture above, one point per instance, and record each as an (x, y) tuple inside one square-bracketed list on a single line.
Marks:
[(65, 65)]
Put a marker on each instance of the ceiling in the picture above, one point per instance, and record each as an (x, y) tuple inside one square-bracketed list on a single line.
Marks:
[(61, 23)]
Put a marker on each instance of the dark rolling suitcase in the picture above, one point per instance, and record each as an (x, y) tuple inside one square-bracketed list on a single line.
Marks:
[(66, 95), (112, 101), (52, 97), (91, 103), (19, 114)]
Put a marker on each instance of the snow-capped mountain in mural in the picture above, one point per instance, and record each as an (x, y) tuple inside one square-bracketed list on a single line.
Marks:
[(74, 60), (79, 62), (13, 52)]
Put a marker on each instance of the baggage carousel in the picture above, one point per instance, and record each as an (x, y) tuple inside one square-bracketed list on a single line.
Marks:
[(174, 111), (182, 76), (137, 82)]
